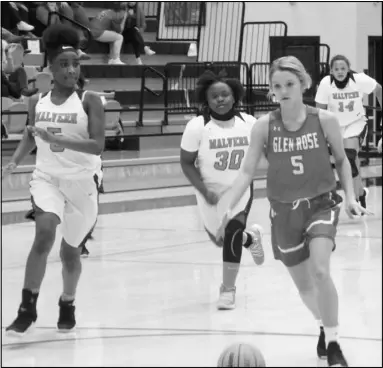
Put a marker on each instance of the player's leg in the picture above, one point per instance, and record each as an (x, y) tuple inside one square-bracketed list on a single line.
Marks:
[(252, 236), (48, 205), (287, 229), (353, 138), (79, 217), (321, 233), (89, 236), (231, 250)]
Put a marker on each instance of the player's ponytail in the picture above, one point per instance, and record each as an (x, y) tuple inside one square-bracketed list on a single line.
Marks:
[(58, 38)]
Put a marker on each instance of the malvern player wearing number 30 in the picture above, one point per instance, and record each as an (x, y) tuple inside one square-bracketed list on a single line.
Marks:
[(69, 134), (212, 150)]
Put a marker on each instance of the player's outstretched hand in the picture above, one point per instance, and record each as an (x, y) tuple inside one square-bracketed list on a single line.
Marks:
[(353, 208), (8, 169)]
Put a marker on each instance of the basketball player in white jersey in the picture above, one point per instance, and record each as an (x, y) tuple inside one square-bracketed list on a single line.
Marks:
[(68, 131), (342, 93), (212, 149)]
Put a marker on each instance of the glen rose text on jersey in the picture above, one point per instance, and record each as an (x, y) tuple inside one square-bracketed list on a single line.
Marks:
[(305, 142), (228, 142), (52, 117)]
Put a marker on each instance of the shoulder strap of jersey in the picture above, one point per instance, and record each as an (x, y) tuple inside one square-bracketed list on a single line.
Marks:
[(81, 94), (41, 95), (239, 114)]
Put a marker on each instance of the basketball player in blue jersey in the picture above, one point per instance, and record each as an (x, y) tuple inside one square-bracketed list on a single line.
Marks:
[(301, 190), (342, 93), (69, 133), (213, 147)]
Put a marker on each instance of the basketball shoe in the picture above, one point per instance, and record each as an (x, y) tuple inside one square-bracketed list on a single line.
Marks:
[(67, 320), (26, 315), (321, 347), (335, 357), (226, 298), (256, 248), (363, 198)]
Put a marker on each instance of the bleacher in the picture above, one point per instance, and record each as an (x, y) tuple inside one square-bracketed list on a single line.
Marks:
[(157, 99)]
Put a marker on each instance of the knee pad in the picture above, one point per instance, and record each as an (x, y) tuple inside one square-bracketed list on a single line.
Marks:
[(232, 245), (351, 155)]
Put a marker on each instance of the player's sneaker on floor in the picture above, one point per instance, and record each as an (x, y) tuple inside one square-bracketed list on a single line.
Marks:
[(321, 347), (26, 315), (226, 298), (256, 248), (363, 198), (30, 215), (335, 357), (84, 251), (67, 320)]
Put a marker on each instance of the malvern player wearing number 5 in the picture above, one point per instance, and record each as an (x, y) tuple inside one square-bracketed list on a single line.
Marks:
[(69, 134), (212, 150), (301, 190), (342, 93)]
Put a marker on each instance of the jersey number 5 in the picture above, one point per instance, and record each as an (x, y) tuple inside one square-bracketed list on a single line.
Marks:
[(297, 163), (55, 147), (234, 163)]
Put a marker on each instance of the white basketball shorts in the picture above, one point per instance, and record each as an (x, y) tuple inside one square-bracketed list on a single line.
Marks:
[(212, 215), (75, 202), (354, 129)]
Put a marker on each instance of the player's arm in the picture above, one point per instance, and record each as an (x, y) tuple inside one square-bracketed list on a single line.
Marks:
[(332, 131), (189, 151), (378, 93), (96, 127), (259, 136), (191, 172), (321, 97), (27, 143)]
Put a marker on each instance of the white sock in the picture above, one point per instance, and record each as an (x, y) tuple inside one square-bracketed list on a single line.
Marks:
[(319, 323), (244, 237), (331, 334), (67, 298)]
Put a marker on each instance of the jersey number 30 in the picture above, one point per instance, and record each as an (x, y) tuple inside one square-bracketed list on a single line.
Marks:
[(297, 163), (233, 160), (55, 147)]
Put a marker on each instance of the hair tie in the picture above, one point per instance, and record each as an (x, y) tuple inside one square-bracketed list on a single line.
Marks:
[(62, 49)]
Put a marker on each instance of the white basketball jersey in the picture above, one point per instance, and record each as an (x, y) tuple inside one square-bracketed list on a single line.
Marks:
[(70, 120), (221, 148), (346, 103)]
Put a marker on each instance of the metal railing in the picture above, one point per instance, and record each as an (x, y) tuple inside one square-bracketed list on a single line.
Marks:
[(150, 8), (181, 83), (255, 43), (220, 39), (179, 21), (147, 89)]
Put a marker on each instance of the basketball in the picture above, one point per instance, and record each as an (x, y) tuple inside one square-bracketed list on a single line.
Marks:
[(241, 355)]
